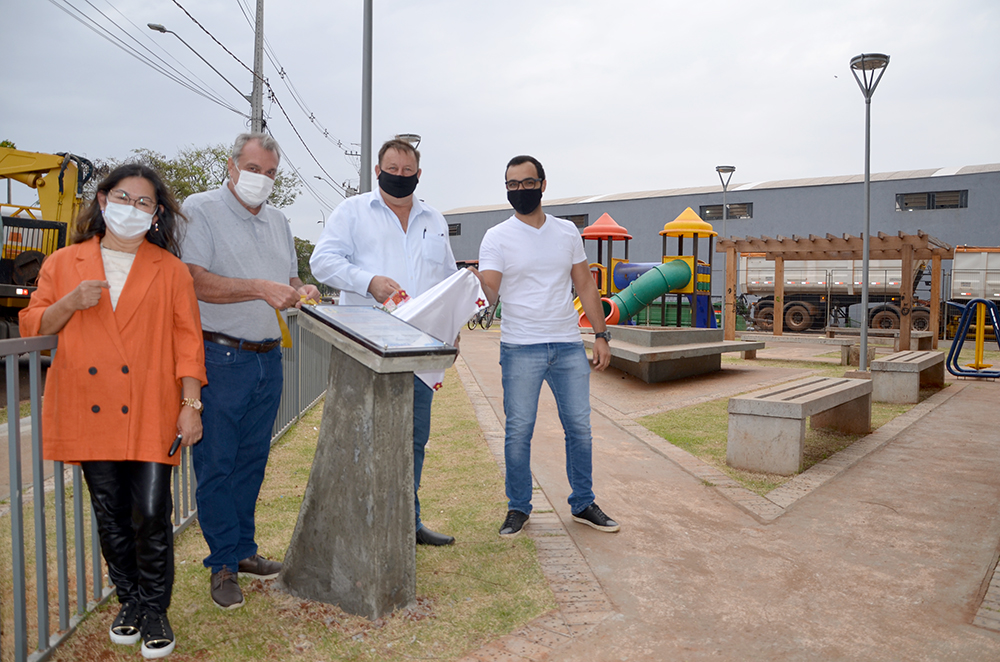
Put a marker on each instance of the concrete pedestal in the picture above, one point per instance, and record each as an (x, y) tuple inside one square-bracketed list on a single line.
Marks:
[(353, 545), (355, 541)]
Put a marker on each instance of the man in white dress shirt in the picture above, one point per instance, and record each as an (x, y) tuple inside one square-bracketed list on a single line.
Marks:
[(386, 240)]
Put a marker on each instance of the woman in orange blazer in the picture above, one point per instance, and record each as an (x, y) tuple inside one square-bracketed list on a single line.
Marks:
[(125, 381)]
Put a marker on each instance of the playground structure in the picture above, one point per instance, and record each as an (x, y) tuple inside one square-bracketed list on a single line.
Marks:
[(984, 310), (662, 352), (628, 288)]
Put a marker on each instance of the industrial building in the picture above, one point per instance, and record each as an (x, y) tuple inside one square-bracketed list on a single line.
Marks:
[(956, 205)]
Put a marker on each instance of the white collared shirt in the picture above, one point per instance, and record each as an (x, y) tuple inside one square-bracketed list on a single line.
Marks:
[(363, 238)]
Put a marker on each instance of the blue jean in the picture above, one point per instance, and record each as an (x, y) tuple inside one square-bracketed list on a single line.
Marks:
[(241, 401), (566, 369), (423, 395)]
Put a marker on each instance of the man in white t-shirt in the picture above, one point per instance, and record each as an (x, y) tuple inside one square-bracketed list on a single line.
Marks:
[(531, 261)]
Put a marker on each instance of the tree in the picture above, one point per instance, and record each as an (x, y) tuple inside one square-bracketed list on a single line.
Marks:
[(194, 170), (304, 250)]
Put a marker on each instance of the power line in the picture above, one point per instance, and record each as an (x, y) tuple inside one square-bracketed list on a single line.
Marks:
[(273, 96), (292, 90), (106, 34), (203, 85)]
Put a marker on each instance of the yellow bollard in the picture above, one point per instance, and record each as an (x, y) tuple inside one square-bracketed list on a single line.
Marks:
[(980, 338)]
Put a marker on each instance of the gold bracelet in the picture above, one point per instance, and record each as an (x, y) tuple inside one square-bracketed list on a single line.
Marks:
[(193, 403)]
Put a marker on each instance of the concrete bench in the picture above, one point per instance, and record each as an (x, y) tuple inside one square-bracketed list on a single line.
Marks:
[(660, 354), (843, 343), (661, 364), (922, 339), (767, 429), (898, 377)]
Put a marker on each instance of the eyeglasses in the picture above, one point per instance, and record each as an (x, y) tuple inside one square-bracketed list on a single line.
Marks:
[(531, 183), (121, 197)]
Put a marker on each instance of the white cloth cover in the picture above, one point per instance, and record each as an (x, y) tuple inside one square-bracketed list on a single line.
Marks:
[(442, 311)]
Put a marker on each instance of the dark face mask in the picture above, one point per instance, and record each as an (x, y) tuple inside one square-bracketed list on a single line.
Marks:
[(397, 186), (525, 201)]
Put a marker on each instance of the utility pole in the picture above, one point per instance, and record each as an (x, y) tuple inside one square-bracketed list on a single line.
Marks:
[(257, 96), (366, 101)]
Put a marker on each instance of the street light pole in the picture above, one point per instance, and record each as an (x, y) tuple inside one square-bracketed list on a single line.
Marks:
[(868, 64), (728, 170), (366, 101)]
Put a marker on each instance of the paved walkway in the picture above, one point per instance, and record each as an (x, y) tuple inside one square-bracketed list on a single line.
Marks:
[(887, 557)]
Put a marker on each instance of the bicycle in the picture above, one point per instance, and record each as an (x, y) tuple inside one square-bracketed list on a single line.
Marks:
[(484, 318)]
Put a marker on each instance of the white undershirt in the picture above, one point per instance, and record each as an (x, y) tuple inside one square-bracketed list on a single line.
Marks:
[(116, 267)]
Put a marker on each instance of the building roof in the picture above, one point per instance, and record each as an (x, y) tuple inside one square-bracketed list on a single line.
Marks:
[(753, 186)]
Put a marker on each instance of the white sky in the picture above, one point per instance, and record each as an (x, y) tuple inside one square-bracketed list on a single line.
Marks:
[(611, 97)]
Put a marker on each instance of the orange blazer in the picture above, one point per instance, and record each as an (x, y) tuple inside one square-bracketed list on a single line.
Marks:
[(113, 391)]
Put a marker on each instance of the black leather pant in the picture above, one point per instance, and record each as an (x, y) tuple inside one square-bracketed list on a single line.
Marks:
[(133, 508)]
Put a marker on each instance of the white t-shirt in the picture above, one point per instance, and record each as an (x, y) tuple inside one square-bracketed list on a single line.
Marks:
[(536, 288)]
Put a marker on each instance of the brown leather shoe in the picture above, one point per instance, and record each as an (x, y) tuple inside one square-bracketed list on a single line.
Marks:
[(226, 593), (259, 567)]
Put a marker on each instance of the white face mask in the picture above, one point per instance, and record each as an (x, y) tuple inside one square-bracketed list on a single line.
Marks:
[(253, 188), (125, 221)]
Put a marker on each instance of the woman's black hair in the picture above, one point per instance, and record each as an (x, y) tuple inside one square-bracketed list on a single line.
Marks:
[(165, 233)]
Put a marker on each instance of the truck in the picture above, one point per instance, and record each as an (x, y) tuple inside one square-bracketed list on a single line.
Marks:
[(820, 293), (33, 232), (975, 274)]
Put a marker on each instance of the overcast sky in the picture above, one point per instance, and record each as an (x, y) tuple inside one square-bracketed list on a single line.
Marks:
[(610, 96)]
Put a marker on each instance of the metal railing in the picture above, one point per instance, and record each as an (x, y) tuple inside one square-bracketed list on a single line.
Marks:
[(304, 368)]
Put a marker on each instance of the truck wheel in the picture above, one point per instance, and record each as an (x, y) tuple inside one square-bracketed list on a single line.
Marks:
[(884, 319), (920, 320), (797, 318), (764, 319)]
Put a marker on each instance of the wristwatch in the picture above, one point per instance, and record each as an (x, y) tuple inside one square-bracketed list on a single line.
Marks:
[(604, 334), (193, 403)]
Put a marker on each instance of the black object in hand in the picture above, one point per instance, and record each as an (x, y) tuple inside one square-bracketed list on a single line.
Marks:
[(174, 446)]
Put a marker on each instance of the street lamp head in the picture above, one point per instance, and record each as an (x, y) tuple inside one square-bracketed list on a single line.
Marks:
[(869, 61), (156, 27), (725, 170), (867, 64), (411, 138)]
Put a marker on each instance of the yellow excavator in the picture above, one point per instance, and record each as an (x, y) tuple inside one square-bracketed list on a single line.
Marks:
[(31, 233)]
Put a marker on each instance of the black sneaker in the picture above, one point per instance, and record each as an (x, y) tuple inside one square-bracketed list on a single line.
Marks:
[(593, 516), (125, 629), (512, 526), (157, 637)]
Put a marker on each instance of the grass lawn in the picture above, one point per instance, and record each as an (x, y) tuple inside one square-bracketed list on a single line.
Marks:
[(25, 408), (468, 594), (702, 429)]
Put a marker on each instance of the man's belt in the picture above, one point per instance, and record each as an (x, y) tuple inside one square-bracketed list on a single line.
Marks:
[(229, 341)]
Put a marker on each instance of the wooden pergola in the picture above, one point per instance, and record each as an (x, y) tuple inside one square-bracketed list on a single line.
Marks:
[(904, 247)]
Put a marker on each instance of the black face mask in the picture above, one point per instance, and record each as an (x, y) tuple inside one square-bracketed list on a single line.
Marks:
[(397, 186), (525, 201)]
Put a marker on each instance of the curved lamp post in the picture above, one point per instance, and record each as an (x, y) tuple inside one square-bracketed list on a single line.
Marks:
[(868, 64), (156, 27)]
